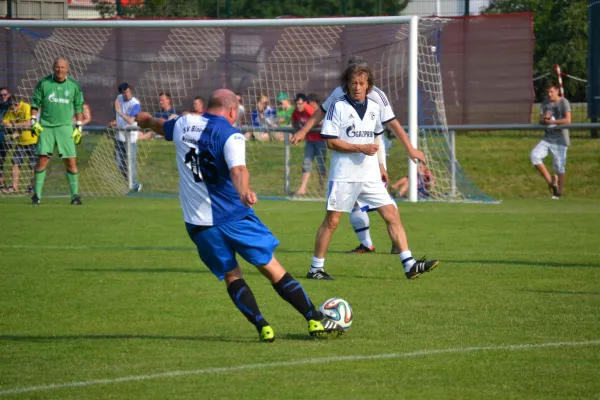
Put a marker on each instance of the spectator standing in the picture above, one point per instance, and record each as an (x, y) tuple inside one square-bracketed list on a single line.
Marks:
[(313, 101), (555, 111), (198, 105), (15, 120), (315, 148), (165, 102), (241, 118), (4, 146), (87, 114), (263, 116), (126, 108), (285, 110)]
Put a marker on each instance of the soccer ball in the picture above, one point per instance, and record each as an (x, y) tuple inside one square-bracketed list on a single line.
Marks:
[(338, 310)]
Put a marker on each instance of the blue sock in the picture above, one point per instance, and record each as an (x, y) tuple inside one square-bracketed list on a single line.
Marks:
[(292, 291), (244, 300)]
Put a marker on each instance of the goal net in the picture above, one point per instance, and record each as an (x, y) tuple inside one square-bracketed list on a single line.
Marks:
[(267, 65)]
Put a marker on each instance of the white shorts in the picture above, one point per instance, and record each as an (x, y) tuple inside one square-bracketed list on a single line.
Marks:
[(558, 151), (369, 195)]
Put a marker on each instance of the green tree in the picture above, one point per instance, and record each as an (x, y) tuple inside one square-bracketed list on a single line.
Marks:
[(560, 28), (255, 8), (105, 8), (165, 8)]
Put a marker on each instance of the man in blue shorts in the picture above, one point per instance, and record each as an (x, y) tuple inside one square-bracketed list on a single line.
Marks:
[(216, 198)]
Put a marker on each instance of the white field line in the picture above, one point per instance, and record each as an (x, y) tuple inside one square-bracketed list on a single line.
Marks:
[(324, 360)]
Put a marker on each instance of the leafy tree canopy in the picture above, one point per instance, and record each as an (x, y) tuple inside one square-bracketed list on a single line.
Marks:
[(560, 28), (254, 8)]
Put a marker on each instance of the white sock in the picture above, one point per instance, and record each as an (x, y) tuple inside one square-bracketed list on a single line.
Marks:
[(360, 222), (407, 260), (317, 264)]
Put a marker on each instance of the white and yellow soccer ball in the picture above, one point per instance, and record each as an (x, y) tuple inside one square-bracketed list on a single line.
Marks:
[(339, 311)]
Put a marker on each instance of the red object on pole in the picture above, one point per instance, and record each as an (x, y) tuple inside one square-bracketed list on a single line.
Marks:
[(560, 82), (91, 3)]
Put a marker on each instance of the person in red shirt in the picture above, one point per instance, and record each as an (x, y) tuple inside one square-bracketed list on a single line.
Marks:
[(315, 148)]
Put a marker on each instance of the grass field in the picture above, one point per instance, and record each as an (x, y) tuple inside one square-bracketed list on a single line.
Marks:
[(109, 300)]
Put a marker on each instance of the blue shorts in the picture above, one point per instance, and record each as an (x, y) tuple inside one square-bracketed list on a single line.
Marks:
[(217, 245)]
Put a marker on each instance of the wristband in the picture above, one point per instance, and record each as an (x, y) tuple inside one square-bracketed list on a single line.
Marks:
[(78, 123)]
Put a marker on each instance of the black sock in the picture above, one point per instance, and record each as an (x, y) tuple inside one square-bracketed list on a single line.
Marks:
[(244, 300), (291, 291)]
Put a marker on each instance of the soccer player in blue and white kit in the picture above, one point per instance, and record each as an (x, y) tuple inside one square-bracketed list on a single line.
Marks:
[(353, 131), (358, 216), (216, 198)]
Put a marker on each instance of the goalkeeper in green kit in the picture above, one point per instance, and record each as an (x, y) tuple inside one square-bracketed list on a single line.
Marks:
[(58, 96)]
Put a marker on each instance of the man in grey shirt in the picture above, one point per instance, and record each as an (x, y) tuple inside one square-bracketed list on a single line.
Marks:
[(555, 111)]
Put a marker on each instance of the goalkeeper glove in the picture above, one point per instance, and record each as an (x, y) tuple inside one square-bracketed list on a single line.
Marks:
[(77, 133), (36, 128)]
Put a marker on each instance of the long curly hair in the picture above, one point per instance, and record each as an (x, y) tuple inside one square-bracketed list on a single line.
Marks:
[(356, 69)]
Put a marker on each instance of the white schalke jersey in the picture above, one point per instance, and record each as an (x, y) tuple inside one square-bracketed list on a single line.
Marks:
[(376, 95), (356, 123)]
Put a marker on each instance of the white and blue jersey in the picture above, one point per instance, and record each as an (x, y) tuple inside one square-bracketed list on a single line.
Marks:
[(221, 226), (207, 147)]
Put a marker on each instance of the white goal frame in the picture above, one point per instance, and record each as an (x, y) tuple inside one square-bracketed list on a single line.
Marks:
[(412, 21)]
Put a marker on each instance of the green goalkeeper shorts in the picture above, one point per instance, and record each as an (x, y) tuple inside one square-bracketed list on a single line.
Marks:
[(59, 136)]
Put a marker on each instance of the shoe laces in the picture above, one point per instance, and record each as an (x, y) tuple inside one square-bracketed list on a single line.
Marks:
[(359, 249), (420, 264)]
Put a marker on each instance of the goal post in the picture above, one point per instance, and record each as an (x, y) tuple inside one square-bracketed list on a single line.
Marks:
[(275, 58), (413, 81)]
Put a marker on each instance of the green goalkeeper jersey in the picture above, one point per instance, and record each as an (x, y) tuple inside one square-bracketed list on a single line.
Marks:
[(58, 101)]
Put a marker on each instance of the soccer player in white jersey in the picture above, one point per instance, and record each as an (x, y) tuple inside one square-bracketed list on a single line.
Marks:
[(353, 131), (216, 198), (359, 217)]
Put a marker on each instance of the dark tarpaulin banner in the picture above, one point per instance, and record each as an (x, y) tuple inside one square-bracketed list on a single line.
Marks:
[(484, 63)]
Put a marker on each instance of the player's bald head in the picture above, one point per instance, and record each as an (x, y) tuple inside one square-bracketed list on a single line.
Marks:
[(60, 68), (222, 99), (60, 60), (223, 102)]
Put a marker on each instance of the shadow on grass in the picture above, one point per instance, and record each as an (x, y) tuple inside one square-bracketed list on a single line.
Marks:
[(117, 336), (307, 251), (52, 338), (145, 270), (247, 271), (525, 263), (337, 276), (297, 336), (140, 248), (154, 248), (561, 292)]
